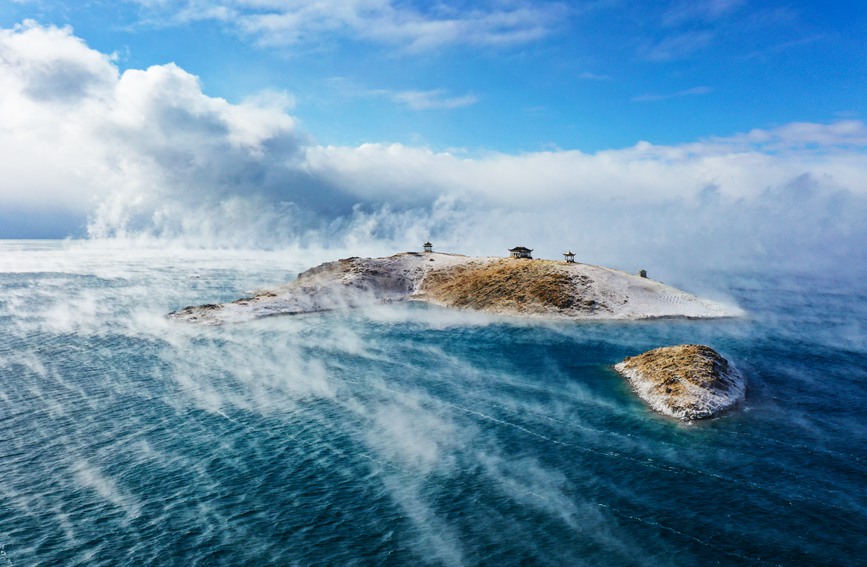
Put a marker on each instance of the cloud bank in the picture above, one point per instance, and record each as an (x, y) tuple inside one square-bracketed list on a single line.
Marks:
[(399, 24), (148, 153)]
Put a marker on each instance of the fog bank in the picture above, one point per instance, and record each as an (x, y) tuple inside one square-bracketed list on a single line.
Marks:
[(146, 154)]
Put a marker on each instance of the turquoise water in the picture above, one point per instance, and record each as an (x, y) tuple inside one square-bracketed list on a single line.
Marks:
[(406, 434)]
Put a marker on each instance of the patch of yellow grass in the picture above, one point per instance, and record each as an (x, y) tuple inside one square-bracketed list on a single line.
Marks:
[(671, 369), (529, 286)]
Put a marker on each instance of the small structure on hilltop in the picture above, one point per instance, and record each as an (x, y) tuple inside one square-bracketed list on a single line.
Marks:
[(428, 247), (642, 273), (569, 256), (521, 252)]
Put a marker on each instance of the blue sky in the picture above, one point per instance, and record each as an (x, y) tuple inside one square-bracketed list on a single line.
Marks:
[(703, 132), (505, 75)]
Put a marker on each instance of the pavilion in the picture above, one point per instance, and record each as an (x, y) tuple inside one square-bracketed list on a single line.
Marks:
[(521, 252)]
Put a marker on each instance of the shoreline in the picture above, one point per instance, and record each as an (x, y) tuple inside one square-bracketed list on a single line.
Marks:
[(527, 288)]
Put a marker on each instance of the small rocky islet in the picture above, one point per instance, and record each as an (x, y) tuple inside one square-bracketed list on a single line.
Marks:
[(684, 381)]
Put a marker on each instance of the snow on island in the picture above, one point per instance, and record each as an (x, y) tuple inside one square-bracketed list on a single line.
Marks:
[(685, 381), (508, 286)]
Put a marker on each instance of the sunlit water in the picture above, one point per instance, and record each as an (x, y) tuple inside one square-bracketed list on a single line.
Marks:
[(407, 434)]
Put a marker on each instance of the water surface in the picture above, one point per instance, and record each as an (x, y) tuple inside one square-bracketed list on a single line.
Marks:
[(409, 434)]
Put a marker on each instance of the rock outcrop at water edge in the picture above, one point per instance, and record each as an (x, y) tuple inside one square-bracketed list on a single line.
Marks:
[(685, 381)]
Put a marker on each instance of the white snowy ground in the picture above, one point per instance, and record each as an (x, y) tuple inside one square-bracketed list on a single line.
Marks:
[(695, 401), (355, 282)]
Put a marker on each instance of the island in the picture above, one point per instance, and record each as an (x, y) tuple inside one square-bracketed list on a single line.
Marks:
[(684, 381), (516, 286)]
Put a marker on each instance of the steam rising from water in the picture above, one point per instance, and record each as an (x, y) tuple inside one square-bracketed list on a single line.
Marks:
[(402, 432)]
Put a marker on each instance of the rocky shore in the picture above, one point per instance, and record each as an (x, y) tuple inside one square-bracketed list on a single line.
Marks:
[(524, 287)]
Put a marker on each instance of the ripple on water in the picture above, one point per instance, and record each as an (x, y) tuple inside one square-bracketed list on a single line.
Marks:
[(409, 434)]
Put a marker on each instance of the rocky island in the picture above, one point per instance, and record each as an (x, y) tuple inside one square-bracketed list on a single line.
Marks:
[(508, 286), (685, 381)]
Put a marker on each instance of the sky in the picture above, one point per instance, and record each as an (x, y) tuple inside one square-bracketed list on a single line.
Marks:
[(706, 131)]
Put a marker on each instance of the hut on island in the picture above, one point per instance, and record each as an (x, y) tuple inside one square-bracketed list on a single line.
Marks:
[(521, 252), (428, 247), (569, 257)]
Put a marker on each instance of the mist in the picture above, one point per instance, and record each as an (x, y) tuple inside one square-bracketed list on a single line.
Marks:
[(332, 390), (146, 156), (433, 434)]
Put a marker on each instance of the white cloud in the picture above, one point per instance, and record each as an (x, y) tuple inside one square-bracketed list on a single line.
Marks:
[(769, 52), (79, 135), (844, 133), (678, 46), (650, 97), (703, 10), (587, 76), (147, 152), (437, 98), (644, 173), (387, 22)]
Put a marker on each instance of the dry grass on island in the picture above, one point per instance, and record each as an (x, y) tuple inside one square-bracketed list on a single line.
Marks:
[(515, 286), (684, 381)]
